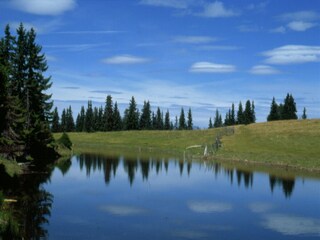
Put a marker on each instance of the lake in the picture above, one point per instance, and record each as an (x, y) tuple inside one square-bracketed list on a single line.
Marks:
[(150, 197)]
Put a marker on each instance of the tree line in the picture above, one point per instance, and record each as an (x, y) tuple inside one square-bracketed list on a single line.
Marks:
[(25, 106), (108, 118)]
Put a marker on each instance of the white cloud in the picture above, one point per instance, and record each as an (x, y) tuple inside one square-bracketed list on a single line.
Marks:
[(280, 29), (217, 9), (194, 39), (44, 7), (208, 67), (300, 16), (125, 59), (218, 48), (292, 225), (122, 210), (263, 70), (167, 3), (209, 207), (301, 26), (293, 54)]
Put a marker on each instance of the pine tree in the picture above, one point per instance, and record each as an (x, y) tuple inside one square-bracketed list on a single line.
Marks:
[(88, 123), (304, 115), (80, 127), (227, 120), (70, 126), (217, 120), (253, 113), (145, 118), (100, 125), (176, 123), (274, 111), (210, 123), (289, 108), (64, 120), (189, 124), (247, 113), (132, 116), (159, 120), (240, 116), (117, 123), (55, 125), (108, 113), (232, 116), (182, 120), (167, 124)]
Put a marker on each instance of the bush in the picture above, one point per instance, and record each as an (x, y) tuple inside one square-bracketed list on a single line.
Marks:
[(65, 141)]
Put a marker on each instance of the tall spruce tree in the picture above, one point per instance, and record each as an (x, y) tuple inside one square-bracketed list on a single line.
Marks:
[(304, 114), (55, 124), (210, 123), (274, 111), (70, 126), (117, 123), (289, 108), (132, 116), (63, 120), (182, 120), (240, 115), (217, 120), (80, 127), (247, 116), (88, 122), (232, 115), (145, 118), (189, 122), (167, 124), (108, 113), (159, 119)]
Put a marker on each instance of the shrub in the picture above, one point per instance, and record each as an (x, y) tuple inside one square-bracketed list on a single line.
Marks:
[(65, 141)]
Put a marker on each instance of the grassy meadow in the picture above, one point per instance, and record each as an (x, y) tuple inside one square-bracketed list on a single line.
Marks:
[(286, 143)]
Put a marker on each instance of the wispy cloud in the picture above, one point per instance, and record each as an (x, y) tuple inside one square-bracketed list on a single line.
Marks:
[(125, 59), (218, 10), (298, 21), (180, 4), (72, 88), (249, 28), (209, 207), (194, 39), (44, 7), (280, 29), (301, 26), (263, 70), (218, 48), (106, 92), (88, 32), (293, 54), (208, 67), (75, 47), (122, 210)]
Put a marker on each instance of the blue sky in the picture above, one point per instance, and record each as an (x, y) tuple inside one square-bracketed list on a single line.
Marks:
[(201, 54)]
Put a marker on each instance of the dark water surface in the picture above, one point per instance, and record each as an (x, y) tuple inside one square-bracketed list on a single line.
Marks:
[(101, 197)]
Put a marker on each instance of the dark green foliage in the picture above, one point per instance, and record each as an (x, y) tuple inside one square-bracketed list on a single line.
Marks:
[(159, 120), (65, 141), (70, 126), (108, 114), (274, 111), (28, 106), (117, 124), (132, 116), (240, 115), (189, 124), (167, 124), (55, 124), (289, 108), (88, 122), (232, 116), (217, 120), (145, 118), (182, 120), (247, 113), (1, 198), (176, 123), (210, 123), (304, 115), (80, 127)]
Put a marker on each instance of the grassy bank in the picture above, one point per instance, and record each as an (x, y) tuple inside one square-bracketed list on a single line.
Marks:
[(294, 143)]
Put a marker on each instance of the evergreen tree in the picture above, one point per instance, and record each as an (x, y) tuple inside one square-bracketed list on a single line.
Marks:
[(88, 123), (145, 118), (274, 111), (117, 123), (64, 121), (95, 119), (227, 120), (232, 116), (55, 125), (240, 116), (108, 114), (210, 124), (304, 115), (217, 120), (247, 116), (189, 124), (159, 120), (80, 127), (100, 125), (132, 116), (153, 121), (182, 120), (176, 123), (70, 126), (167, 124), (289, 108), (253, 113)]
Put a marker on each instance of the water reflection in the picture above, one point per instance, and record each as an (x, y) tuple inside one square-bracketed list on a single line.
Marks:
[(131, 166), (26, 218)]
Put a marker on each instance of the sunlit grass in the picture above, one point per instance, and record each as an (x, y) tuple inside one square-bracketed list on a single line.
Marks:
[(294, 143)]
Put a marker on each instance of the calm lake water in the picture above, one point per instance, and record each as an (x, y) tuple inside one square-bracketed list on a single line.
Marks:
[(115, 197)]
